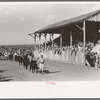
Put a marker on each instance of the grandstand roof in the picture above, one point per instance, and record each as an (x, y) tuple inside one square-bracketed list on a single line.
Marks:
[(67, 22)]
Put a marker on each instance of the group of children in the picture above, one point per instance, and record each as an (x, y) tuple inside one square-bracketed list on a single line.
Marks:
[(27, 60), (36, 65)]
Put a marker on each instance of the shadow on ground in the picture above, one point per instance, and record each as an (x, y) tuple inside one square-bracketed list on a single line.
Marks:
[(7, 78), (1, 71), (48, 72)]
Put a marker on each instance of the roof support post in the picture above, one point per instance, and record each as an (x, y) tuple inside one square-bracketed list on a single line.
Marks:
[(70, 39), (39, 40), (45, 41), (84, 40), (52, 41), (35, 41), (61, 38)]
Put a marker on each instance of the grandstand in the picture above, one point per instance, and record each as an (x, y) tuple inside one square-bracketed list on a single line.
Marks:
[(75, 32)]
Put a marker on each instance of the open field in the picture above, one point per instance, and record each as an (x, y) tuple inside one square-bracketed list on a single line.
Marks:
[(11, 71)]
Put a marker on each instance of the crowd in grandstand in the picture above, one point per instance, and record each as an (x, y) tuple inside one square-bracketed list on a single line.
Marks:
[(93, 58)]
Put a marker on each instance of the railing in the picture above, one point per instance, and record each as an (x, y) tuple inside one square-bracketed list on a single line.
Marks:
[(65, 56)]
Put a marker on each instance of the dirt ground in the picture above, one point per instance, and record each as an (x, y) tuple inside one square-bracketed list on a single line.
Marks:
[(54, 71)]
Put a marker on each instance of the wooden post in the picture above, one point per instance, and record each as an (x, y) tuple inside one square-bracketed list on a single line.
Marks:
[(45, 41), (84, 40), (35, 41), (52, 41), (39, 40), (61, 40), (70, 39)]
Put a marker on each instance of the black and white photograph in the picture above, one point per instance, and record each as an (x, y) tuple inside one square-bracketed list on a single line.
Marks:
[(49, 41), (49, 49)]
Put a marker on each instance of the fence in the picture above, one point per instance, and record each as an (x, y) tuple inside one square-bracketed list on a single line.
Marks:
[(65, 56)]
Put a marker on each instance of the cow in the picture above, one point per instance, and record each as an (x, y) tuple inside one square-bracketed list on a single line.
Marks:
[(25, 61), (33, 65), (20, 60), (11, 57)]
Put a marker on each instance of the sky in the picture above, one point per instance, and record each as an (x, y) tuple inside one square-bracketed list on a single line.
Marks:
[(17, 20)]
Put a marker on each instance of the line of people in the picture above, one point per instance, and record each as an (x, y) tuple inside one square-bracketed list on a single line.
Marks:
[(28, 61)]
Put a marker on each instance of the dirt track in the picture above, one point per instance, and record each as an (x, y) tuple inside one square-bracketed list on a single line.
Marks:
[(11, 71)]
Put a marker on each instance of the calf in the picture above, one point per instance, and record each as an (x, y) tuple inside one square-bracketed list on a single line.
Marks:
[(33, 66), (25, 61), (20, 60)]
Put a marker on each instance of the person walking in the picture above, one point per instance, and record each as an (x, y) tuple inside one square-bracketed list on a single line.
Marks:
[(42, 61)]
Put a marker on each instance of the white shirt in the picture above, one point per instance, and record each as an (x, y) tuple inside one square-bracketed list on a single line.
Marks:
[(42, 60)]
